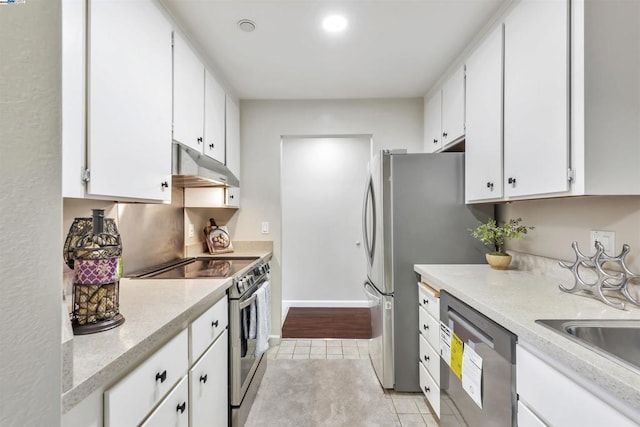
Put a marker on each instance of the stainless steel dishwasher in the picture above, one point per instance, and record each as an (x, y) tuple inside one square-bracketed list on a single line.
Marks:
[(496, 346)]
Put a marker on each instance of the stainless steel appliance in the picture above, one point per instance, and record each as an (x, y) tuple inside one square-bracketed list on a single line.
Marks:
[(245, 368), (497, 348), (414, 213)]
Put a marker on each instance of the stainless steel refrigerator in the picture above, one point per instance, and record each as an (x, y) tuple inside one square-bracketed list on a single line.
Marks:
[(414, 213)]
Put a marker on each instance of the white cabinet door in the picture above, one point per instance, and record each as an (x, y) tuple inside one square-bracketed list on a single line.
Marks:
[(232, 197), (536, 107), (206, 328), (214, 112), (73, 97), (208, 384), (233, 137), (453, 108), (174, 410), (483, 140), (433, 123), (188, 95), (129, 100)]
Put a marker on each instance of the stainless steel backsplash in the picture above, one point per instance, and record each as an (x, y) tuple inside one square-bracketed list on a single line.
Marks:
[(151, 233)]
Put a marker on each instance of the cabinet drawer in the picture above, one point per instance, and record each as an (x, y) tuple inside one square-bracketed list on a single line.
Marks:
[(429, 301), (526, 418), (206, 328), (131, 399), (174, 410), (208, 386), (430, 359), (429, 328), (430, 389)]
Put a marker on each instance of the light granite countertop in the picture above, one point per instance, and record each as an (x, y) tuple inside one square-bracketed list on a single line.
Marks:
[(155, 311), (516, 298)]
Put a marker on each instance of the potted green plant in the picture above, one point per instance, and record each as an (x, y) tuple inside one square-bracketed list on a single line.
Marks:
[(492, 233)]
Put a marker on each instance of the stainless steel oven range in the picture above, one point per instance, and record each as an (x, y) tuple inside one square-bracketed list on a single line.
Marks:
[(245, 368)]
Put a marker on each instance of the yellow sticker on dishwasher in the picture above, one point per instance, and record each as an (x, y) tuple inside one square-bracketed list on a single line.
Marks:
[(456, 355)]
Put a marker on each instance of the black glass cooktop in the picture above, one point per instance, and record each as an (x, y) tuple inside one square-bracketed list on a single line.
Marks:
[(200, 268)]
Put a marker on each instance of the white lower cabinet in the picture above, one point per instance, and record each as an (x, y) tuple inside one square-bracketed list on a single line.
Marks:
[(562, 398), (174, 409), (208, 386), (131, 399), (429, 330)]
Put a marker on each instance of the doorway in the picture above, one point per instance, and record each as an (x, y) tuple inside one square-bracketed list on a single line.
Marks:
[(323, 181)]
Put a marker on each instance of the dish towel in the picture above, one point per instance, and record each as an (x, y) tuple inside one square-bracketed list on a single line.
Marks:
[(263, 318)]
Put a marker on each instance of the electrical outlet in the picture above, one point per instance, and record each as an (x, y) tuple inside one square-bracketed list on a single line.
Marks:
[(265, 228), (608, 240), (192, 230)]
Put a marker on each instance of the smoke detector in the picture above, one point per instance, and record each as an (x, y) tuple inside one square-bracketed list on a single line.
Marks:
[(247, 25)]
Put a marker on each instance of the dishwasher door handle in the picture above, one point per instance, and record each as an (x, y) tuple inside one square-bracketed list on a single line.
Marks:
[(477, 333)]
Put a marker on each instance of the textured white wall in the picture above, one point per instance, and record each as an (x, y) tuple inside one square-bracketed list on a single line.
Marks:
[(559, 222), (30, 213), (394, 123)]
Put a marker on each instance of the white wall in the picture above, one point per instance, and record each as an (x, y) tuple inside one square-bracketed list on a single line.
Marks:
[(30, 213), (394, 123), (559, 222)]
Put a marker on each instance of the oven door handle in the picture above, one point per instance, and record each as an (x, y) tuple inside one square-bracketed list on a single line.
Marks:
[(246, 303)]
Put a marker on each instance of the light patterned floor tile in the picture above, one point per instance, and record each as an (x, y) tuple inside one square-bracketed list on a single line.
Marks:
[(334, 343), (317, 356), (303, 343), (334, 350), (284, 356), (334, 356), (301, 351), (411, 420), (301, 356), (421, 403), (350, 350), (430, 420), (349, 343), (272, 356), (351, 356), (286, 350), (318, 350), (405, 406), (390, 405), (318, 343), (287, 343)]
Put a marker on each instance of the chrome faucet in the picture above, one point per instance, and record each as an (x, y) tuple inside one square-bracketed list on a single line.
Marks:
[(608, 283)]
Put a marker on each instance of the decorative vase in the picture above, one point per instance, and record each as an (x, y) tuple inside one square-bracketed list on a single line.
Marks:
[(498, 262)]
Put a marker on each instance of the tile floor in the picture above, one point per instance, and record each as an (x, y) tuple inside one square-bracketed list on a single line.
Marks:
[(410, 408)]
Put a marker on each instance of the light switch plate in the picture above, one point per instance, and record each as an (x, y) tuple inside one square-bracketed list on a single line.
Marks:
[(608, 240), (265, 228), (192, 230)]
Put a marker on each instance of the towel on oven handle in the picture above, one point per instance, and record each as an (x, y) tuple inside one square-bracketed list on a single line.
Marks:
[(263, 317)]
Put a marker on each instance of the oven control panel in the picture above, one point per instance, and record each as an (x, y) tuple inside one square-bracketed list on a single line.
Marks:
[(248, 280)]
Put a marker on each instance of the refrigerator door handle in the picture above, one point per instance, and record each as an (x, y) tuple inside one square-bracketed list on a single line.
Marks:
[(376, 298), (369, 241)]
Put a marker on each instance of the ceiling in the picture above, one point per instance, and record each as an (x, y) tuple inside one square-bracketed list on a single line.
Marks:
[(390, 49)]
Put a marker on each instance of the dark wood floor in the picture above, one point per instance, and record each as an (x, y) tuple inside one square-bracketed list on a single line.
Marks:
[(327, 323)]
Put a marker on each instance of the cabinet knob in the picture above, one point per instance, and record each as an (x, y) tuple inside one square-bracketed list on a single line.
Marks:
[(444, 134), (425, 327), (199, 140), (427, 389), (203, 378), (425, 301), (181, 407), (435, 141), (214, 324), (426, 358), (232, 197), (512, 181), (164, 184), (490, 185), (211, 146), (161, 376)]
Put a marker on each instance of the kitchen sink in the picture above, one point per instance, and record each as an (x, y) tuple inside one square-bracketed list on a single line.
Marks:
[(618, 340)]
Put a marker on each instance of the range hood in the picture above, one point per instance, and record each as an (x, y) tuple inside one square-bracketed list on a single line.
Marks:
[(191, 168)]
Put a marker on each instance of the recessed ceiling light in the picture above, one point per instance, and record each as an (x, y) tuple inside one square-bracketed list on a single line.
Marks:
[(246, 25), (334, 23)]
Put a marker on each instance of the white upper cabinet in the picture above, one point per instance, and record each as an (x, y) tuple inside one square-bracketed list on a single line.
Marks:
[(483, 141), (188, 95), (129, 100), (214, 116), (233, 136), (536, 98), (433, 123), (453, 108)]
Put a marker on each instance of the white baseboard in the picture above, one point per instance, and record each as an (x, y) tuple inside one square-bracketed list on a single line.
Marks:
[(286, 304)]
